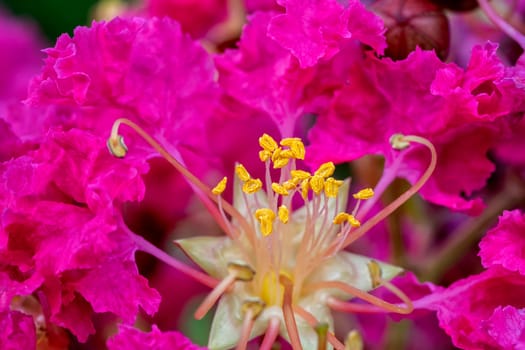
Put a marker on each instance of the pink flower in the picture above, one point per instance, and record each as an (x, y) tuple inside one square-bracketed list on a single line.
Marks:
[(504, 244), (421, 95), (130, 338), (314, 30), (18, 331)]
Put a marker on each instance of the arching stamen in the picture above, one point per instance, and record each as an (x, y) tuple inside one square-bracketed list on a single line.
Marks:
[(363, 295), (313, 322), (398, 201), (271, 334), (251, 310), (288, 313), (115, 140), (236, 272), (501, 23)]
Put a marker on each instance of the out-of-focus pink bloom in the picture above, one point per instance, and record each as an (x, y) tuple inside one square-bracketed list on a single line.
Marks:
[(144, 70), (472, 311), (314, 30), (130, 338), (423, 96), (262, 5), (196, 17), (18, 331), (504, 244)]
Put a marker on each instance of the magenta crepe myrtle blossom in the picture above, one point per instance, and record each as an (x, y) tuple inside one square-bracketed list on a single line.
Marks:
[(18, 331), (279, 270), (129, 338), (484, 311), (144, 69), (451, 106)]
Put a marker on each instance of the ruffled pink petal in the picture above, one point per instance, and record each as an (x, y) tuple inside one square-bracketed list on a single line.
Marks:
[(507, 327), (504, 244), (130, 338), (18, 331)]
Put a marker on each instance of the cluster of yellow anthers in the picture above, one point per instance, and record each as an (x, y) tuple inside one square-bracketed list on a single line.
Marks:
[(282, 268)]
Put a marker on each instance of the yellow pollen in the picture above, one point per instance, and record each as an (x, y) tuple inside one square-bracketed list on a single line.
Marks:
[(242, 272), (300, 174), (272, 291), (264, 155), (296, 146), (284, 214), (340, 218), (317, 184), (366, 193), (353, 221), (252, 186), (279, 189), (305, 186), (325, 170), (266, 217), (280, 163), (221, 186), (242, 173), (280, 158), (331, 187), (398, 142), (267, 143), (289, 185), (117, 147)]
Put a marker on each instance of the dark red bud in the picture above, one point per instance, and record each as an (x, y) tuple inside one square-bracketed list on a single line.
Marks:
[(457, 5), (412, 23)]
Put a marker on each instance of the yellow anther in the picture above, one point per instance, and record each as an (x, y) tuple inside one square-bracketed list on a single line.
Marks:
[(280, 163), (267, 143), (284, 214), (252, 186), (305, 186), (325, 170), (242, 173), (255, 306), (117, 147), (266, 217), (241, 271), (289, 185), (375, 273), (331, 187), (279, 189), (340, 218), (264, 155), (398, 142), (272, 290), (354, 341), (366, 193), (300, 174), (296, 146), (317, 184), (353, 221), (221, 186)]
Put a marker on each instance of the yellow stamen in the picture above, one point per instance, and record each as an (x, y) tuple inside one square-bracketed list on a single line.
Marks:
[(305, 186), (354, 341), (317, 184), (375, 273), (399, 142), (284, 214), (252, 186), (353, 221), (279, 189), (300, 174), (280, 158), (331, 187), (221, 186), (341, 218), (325, 170), (242, 272), (255, 306), (242, 173), (264, 155), (117, 147), (267, 143), (289, 185), (266, 217), (296, 147), (366, 193)]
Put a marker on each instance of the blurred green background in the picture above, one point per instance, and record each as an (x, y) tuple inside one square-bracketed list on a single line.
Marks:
[(53, 16)]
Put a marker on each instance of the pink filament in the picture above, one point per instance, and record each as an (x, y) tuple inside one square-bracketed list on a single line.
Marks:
[(271, 334)]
